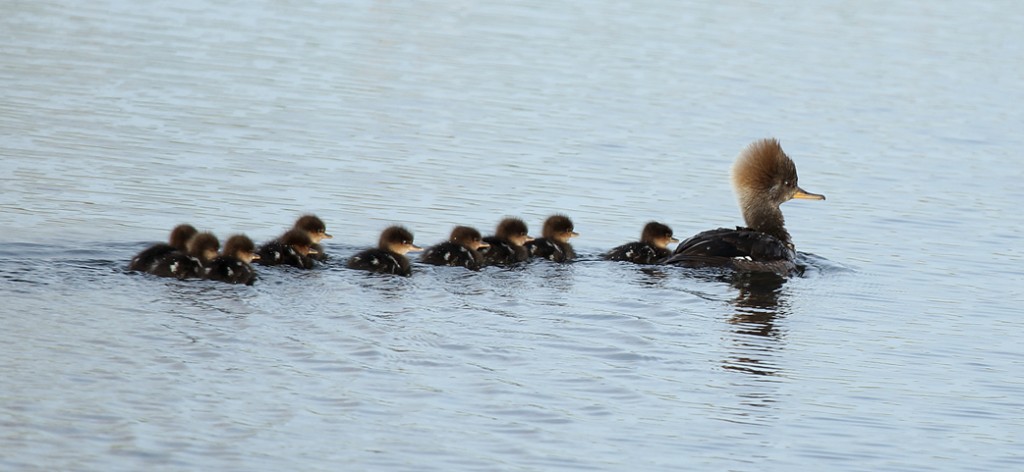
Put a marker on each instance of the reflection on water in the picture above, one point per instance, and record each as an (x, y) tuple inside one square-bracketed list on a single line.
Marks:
[(759, 302), (759, 305), (755, 343)]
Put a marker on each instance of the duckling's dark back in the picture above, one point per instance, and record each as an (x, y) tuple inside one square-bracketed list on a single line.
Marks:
[(281, 251), (452, 254), (637, 252), (458, 251), (502, 252), (380, 261), (232, 270), (551, 249)]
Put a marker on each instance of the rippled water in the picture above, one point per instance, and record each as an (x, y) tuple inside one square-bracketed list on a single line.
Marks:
[(898, 350)]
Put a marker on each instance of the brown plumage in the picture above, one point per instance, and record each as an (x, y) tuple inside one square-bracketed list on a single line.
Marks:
[(292, 248), (201, 249), (554, 245), (461, 250), (763, 178), (652, 246), (232, 266), (507, 246), (317, 231), (177, 242), (389, 255)]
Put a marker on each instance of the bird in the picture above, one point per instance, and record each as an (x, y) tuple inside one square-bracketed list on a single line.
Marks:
[(460, 250), (763, 178), (507, 246), (191, 264), (177, 241), (317, 231), (233, 263), (651, 248), (554, 243), (389, 255), (292, 248)]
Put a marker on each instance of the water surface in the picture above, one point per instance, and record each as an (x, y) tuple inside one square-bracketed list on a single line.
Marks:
[(898, 349)]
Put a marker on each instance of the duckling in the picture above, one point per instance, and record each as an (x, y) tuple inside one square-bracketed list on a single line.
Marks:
[(554, 245), (317, 231), (178, 239), (506, 247), (763, 178), (461, 249), (200, 250), (292, 248), (233, 264), (652, 246), (389, 255)]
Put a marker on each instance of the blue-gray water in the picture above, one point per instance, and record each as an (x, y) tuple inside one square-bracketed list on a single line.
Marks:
[(899, 350)]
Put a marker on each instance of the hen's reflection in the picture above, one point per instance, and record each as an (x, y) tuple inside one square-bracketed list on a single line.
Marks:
[(759, 304)]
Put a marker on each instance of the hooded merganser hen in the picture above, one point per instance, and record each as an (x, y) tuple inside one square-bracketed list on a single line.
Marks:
[(389, 255), (460, 250), (554, 245), (179, 238), (763, 177), (200, 250), (506, 247), (292, 248), (232, 266), (317, 231), (652, 246)]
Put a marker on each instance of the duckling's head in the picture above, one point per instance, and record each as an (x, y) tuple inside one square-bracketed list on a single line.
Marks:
[(657, 234), (397, 239), (314, 226), (468, 237), (180, 236), (559, 228), (203, 246), (241, 247), (514, 230), (764, 177), (299, 240)]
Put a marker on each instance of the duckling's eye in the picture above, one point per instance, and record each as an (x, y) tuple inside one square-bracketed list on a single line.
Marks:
[(787, 183)]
